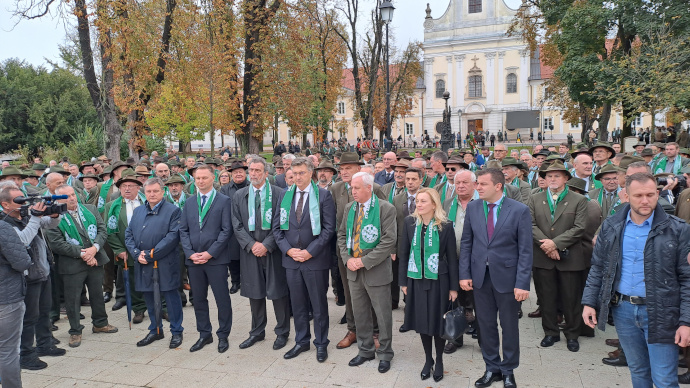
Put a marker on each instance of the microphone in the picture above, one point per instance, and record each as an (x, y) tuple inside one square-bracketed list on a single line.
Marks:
[(22, 200)]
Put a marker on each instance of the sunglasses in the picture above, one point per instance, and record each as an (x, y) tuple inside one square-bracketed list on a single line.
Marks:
[(451, 169)]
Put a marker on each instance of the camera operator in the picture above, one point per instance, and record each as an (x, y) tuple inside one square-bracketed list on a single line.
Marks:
[(38, 296)]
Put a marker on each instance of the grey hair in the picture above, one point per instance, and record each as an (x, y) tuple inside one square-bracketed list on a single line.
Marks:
[(258, 159), (6, 188), (62, 187), (367, 178), (641, 164), (154, 181), (580, 156), (368, 167), (473, 176), (301, 162), (289, 157)]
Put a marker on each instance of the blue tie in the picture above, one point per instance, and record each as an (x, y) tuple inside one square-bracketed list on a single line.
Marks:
[(203, 201)]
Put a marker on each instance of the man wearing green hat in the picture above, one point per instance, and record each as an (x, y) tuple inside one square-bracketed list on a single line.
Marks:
[(607, 195), (118, 213), (510, 168), (559, 219)]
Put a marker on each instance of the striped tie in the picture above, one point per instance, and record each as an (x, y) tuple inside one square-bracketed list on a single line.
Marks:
[(356, 249)]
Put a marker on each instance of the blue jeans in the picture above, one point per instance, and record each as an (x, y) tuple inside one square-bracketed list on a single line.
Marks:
[(657, 363)]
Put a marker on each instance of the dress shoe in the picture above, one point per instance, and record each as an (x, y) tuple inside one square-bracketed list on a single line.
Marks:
[(107, 296), (223, 345), (343, 320), (385, 366), (52, 351), (186, 286), (295, 351), (108, 329), (403, 329), (235, 287), (249, 342), (175, 341), (535, 314), (118, 305), (53, 327), (201, 343), (395, 306), (509, 381), (549, 340), (452, 346), (56, 341), (74, 340), (350, 338), (138, 317), (81, 316), (280, 342), (615, 342), (150, 338), (85, 302), (339, 301), (573, 345), (426, 371), (520, 313), (684, 378), (488, 379), (438, 372), (615, 354), (620, 361), (34, 364), (377, 344), (321, 353), (359, 360)]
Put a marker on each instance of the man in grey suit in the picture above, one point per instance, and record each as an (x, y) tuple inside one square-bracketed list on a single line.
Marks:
[(386, 176), (495, 262), (263, 275), (205, 228), (303, 229), (366, 239)]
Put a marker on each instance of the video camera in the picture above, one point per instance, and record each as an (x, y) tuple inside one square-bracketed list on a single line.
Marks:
[(51, 206)]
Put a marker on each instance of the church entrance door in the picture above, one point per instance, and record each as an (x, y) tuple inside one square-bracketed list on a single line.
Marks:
[(475, 126)]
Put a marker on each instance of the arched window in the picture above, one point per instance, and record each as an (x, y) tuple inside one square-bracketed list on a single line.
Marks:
[(511, 83), (440, 88), (475, 83)]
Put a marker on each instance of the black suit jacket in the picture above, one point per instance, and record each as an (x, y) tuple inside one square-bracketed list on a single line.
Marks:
[(212, 235), (299, 235), (280, 181)]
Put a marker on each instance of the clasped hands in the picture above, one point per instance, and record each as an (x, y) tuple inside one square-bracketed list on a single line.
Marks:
[(89, 256), (520, 294), (300, 255), (550, 248), (259, 250), (200, 258)]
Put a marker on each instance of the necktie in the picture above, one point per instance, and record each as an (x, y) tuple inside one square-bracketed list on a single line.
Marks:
[(300, 205), (257, 205), (203, 201), (490, 220), (413, 205), (356, 249)]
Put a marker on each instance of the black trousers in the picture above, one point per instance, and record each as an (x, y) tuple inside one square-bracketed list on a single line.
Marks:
[(74, 285), (235, 276), (281, 307), (309, 286), (554, 286), (38, 300), (216, 276), (490, 305), (395, 287)]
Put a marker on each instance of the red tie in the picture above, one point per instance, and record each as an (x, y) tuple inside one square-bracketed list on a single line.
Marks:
[(490, 221)]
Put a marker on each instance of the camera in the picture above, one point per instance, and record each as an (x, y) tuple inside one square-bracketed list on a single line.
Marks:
[(680, 186), (52, 207)]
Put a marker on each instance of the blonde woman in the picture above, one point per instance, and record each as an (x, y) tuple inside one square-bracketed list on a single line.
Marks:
[(428, 274), (224, 178)]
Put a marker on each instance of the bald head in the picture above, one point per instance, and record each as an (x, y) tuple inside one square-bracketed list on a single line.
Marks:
[(53, 181), (389, 159)]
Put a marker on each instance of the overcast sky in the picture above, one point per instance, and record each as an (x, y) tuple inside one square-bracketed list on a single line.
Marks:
[(37, 40)]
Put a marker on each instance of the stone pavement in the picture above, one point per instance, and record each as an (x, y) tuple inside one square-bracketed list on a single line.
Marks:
[(113, 360)]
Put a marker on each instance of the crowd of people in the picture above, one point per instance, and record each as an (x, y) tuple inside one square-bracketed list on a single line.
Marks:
[(601, 233)]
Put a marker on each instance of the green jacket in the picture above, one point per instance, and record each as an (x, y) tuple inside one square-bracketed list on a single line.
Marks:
[(117, 240)]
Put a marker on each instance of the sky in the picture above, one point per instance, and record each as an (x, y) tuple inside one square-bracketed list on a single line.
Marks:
[(36, 41)]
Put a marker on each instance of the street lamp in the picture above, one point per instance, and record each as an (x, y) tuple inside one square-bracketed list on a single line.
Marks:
[(387, 9)]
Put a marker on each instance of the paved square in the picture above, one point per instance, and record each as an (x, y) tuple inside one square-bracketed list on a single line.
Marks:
[(113, 360)]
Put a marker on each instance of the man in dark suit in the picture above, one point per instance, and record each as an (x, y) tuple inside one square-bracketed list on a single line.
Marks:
[(263, 272), (205, 229), (286, 163), (386, 176), (495, 262), (303, 229), (239, 180)]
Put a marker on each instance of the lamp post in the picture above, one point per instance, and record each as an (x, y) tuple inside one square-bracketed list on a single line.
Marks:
[(387, 9)]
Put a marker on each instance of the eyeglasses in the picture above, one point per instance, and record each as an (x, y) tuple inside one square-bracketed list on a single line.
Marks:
[(128, 187), (609, 179), (451, 169), (301, 173)]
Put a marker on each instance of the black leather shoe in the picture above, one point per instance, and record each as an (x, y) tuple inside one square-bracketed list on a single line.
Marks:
[(53, 351), (150, 338), (684, 378), (295, 351), (426, 371), (549, 340), (520, 313), (175, 341), (573, 345), (343, 320), (321, 353), (509, 381), (488, 379), (107, 296), (35, 364), (249, 342), (359, 360), (81, 316), (223, 345), (201, 343), (438, 372), (235, 287), (280, 342), (452, 346), (618, 361), (403, 329), (53, 327), (385, 366), (118, 305)]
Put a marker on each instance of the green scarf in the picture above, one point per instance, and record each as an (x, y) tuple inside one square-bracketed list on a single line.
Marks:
[(431, 247), (314, 211), (105, 187), (661, 166), (433, 181), (516, 182), (453, 211), (370, 233), (69, 227), (265, 208), (112, 226), (443, 192), (207, 205), (180, 203), (392, 193), (554, 203)]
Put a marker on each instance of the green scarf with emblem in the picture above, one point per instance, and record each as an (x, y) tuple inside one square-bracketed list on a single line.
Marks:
[(69, 227), (112, 224), (314, 210), (430, 240), (370, 233), (265, 208), (103, 194)]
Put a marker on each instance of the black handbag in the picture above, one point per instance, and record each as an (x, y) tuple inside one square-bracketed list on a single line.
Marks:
[(454, 323)]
